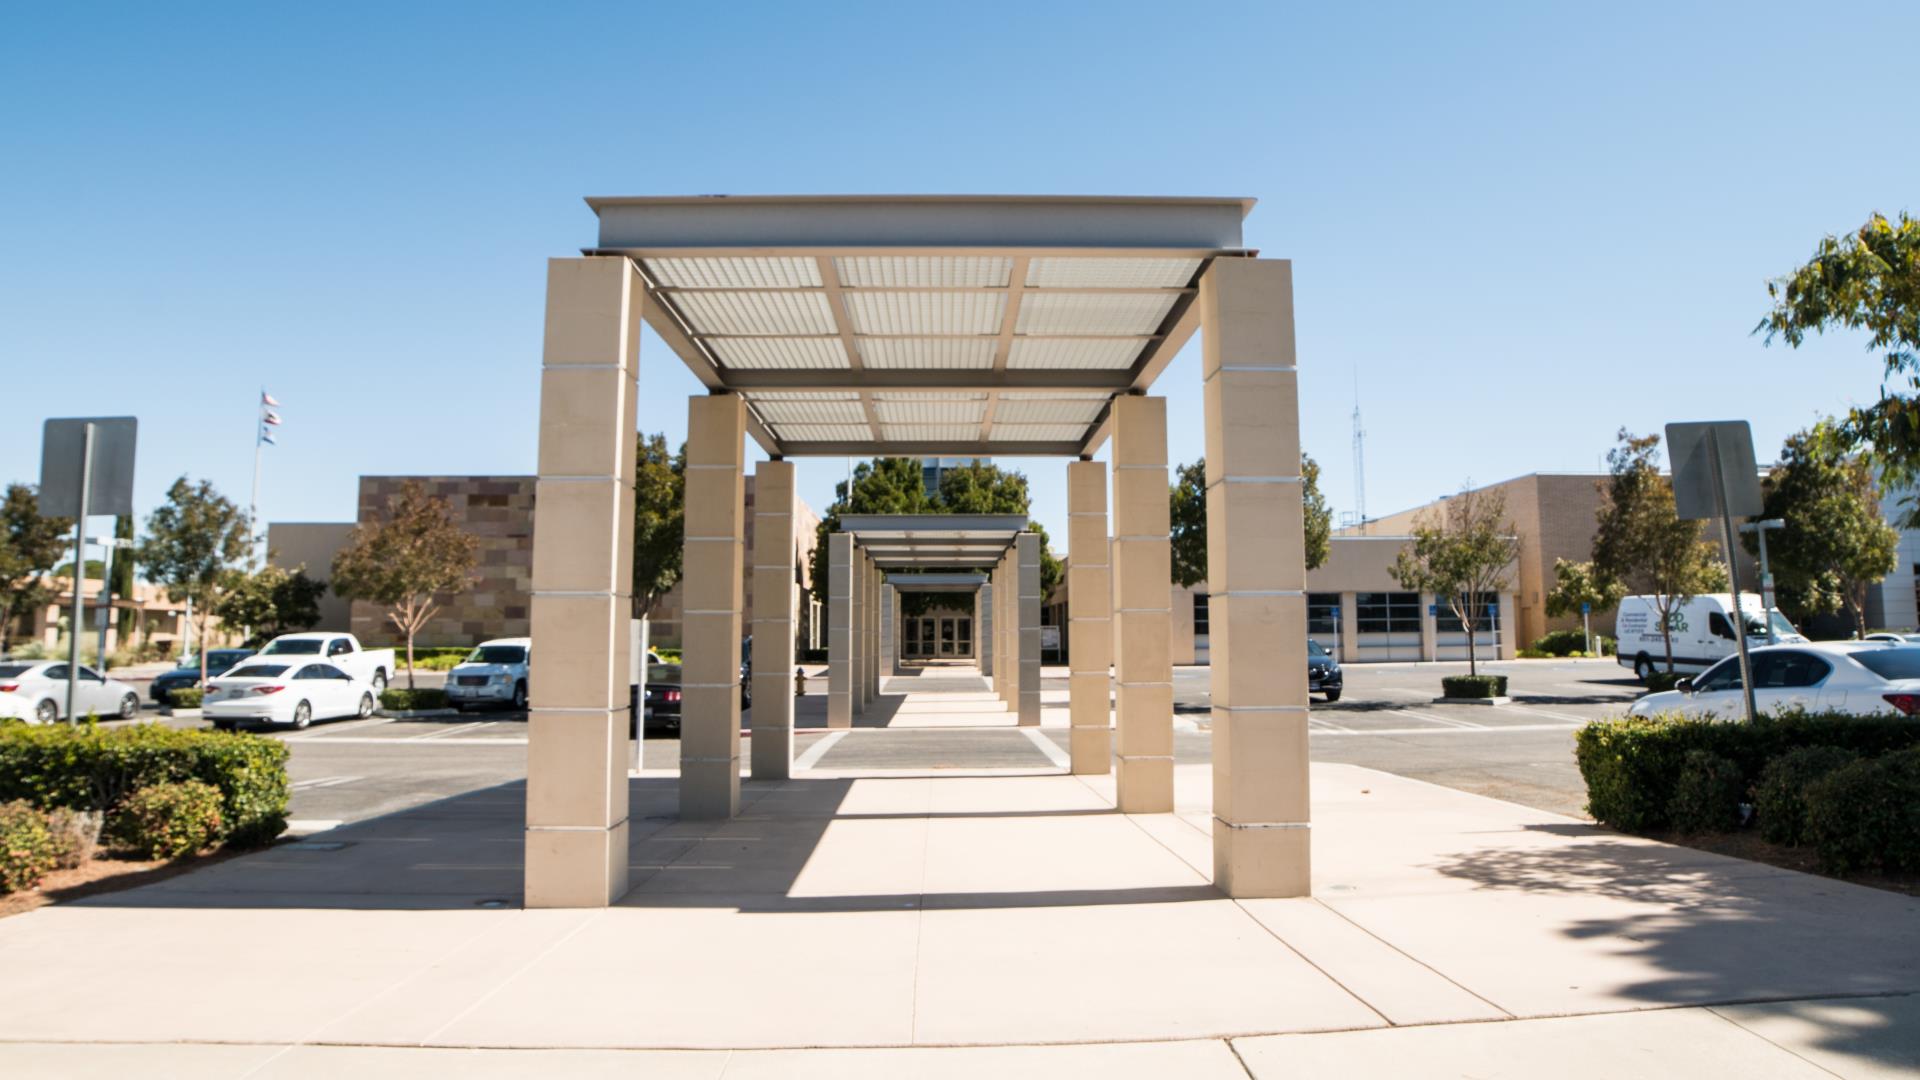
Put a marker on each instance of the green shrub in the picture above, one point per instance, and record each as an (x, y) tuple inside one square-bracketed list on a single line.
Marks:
[(187, 697), (1659, 681), (1632, 765), (442, 662), (166, 821), (1780, 798), (1561, 642), (1474, 686), (1707, 794), (93, 768), (1606, 645), (1867, 814), (27, 850), (1532, 654), (400, 699)]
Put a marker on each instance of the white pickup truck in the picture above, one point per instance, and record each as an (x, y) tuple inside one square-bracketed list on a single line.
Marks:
[(372, 665)]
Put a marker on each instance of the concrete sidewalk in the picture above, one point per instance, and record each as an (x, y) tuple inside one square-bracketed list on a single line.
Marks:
[(953, 924)]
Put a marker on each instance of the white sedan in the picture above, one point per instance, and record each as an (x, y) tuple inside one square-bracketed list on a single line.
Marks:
[(1862, 678), (36, 691), (291, 692)]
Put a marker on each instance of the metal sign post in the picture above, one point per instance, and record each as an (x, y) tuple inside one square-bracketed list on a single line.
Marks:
[(1714, 476), (1586, 624), (86, 467)]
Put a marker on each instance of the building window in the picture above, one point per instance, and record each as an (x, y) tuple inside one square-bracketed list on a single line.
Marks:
[(1323, 613), (1200, 619), (1446, 622), (1387, 612)]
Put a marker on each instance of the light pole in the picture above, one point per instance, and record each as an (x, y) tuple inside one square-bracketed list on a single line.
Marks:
[(1759, 529)]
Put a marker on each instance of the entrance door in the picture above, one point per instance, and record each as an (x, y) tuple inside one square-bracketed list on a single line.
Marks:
[(949, 637), (964, 643)]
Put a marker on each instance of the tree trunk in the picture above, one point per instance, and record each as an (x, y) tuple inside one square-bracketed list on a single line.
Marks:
[(409, 659), (1666, 637), (204, 616), (6, 627)]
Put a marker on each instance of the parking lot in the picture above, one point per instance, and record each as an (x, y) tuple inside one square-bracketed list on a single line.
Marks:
[(351, 770)]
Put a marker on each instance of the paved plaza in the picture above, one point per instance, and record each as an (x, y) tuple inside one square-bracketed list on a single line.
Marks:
[(929, 897)]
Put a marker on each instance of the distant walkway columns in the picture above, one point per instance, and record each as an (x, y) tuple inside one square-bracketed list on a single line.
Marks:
[(713, 590), (839, 630), (1256, 578), (1026, 555), (1142, 593), (576, 838), (1089, 618), (774, 619)]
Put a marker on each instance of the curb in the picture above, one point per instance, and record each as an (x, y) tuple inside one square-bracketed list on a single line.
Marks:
[(184, 714), (413, 714), (1473, 701)]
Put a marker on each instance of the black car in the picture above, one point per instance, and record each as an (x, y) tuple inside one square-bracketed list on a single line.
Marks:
[(187, 675), (1323, 672), (662, 709)]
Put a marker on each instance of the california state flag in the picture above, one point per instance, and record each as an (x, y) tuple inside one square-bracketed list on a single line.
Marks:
[(267, 399)]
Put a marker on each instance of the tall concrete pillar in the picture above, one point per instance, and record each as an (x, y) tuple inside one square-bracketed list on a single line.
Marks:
[(1349, 628), (713, 592), (873, 631), (889, 629), (1008, 683), (1026, 550), (774, 619), (1142, 571), (1089, 617), (857, 602), (839, 630), (1256, 573), (576, 838), (982, 626)]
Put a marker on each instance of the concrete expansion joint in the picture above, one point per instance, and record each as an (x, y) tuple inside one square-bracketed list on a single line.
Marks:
[(1142, 611), (1147, 685), (722, 760), (1087, 513), (1256, 480), (1263, 824), (578, 828), (1252, 368), (1145, 757), (1088, 618)]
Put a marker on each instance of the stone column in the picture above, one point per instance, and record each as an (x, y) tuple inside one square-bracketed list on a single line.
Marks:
[(873, 632), (1026, 550), (857, 602), (839, 630), (774, 617), (1142, 573), (576, 831), (982, 626), (712, 590), (1007, 619), (1089, 617), (1256, 571), (1349, 628), (889, 629)]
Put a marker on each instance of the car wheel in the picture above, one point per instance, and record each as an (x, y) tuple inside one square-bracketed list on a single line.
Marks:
[(1643, 667), (379, 681), (46, 712), (129, 707), (366, 706), (302, 715), (520, 697), (1333, 696)]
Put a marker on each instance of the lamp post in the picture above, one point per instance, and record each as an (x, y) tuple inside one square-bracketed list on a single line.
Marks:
[(1759, 529)]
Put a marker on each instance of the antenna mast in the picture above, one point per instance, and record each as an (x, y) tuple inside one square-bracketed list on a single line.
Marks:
[(1359, 458)]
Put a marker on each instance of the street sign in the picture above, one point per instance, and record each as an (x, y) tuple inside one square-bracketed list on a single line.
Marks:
[(1433, 609), (1714, 476), (109, 483), (1692, 449), (1586, 608)]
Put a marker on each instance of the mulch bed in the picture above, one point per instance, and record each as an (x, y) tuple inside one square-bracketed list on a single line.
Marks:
[(104, 874), (1749, 846)]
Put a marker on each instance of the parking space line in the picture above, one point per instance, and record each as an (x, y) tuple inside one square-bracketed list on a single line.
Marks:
[(450, 731), (1054, 753), (1548, 713), (1432, 719), (322, 782), (486, 740), (331, 729), (1314, 723), (819, 749)]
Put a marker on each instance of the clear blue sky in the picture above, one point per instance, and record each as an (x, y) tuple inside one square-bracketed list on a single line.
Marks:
[(1517, 229)]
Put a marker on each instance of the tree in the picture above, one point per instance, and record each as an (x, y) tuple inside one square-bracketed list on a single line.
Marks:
[(1835, 544), (880, 486), (123, 574), (1869, 280), (1461, 552), (30, 546), (1187, 514), (272, 601), (406, 561), (196, 542), (1640, 540), (659, 521), (1577, 583)]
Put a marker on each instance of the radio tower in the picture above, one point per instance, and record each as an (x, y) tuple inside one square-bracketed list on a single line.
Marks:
[(1359, 458)]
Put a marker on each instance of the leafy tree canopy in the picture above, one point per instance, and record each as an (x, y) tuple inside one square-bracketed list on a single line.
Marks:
[(1576, 583), (272, 601), (30, 546), (1835, 544), (406, 560), (196, 542), (1462, 553), (659, 520), (1868, 280), (1641, 543)]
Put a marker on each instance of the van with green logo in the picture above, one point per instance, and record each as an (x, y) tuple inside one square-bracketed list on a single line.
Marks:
[(1701, 628)]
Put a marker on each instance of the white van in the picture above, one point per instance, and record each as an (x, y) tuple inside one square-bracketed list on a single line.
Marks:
[(1702, 631)]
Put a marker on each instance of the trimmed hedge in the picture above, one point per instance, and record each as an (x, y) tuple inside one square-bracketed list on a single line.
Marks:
[(27, 848), (1474, 686), (1561, 642), (88, 767), (401, 699), (1632, 765), (1866, 814), (187, 697), (166, 821), (1707, 794), (1780, 798)]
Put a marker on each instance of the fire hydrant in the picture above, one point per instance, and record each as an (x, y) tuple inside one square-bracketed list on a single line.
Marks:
[(799, 682)]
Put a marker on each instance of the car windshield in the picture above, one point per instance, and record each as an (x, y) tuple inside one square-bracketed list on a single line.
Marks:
[(10, 671), (663, 673), (220, 661), (1898, 662), (293, 647), (497, 654), (258, 671), (1314, 648), (1781, 627)]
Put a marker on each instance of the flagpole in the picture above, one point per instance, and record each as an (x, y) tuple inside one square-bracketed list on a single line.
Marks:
[(253, 507)]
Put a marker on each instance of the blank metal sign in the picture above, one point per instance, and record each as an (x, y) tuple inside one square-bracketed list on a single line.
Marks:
[(61, 450), (1690, 447)]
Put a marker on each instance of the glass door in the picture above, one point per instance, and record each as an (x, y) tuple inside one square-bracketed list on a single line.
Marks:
[(964, 645), (949, 635)]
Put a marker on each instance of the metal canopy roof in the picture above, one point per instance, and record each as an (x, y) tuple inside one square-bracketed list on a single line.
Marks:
[(923, 325), (937, 583), (908, 541)]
